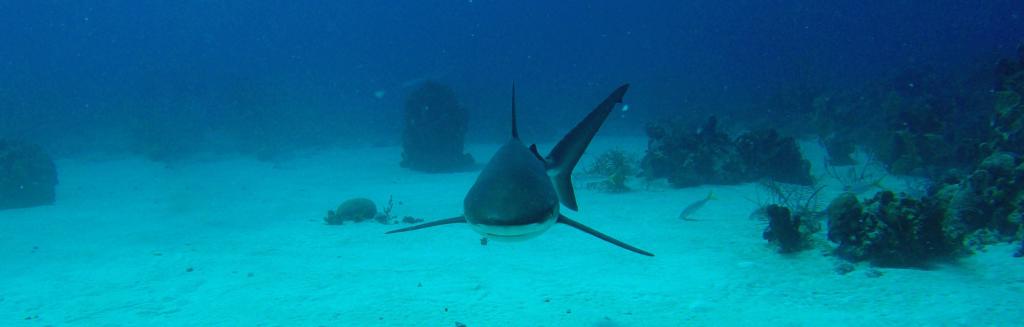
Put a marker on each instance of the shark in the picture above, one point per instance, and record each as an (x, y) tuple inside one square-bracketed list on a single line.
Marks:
[(519, 193)]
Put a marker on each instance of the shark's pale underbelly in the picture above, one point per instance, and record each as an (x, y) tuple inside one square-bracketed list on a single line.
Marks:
[(513, 232)]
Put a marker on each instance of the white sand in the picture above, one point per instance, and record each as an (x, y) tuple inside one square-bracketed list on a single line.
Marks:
[(116, 248)]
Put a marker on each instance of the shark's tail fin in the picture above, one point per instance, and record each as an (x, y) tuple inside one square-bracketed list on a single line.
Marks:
[(567, 152)]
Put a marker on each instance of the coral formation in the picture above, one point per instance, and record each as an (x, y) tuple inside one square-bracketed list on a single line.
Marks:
[(778, 158), (965, 138), (28, 176), (1007, 123), (802, 200), (908, 153), (615, 166), (789, 232), (920, 122), (839, 149), (960, 212), (855, 180), (1010, 73), (711, 157), (792, 214), (990, 198), (435, 130), (691, 159), (933, 126), (888, 229), (355, 210)]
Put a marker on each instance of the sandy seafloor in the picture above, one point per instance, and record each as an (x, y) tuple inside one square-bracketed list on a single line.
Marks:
[(239, 242)]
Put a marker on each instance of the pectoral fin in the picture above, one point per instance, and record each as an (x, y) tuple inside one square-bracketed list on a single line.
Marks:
[(575, 224), (455, 220)]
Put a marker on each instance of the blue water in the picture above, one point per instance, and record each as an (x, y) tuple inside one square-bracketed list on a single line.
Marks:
[(87, 67), (178, 111)]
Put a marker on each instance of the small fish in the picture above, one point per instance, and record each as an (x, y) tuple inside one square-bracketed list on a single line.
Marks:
[(693, 207)]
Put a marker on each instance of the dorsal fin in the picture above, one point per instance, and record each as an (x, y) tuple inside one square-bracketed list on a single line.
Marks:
[(567, 152), (515, 129)]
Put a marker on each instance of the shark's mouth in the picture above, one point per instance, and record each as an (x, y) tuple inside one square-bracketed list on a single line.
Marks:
[(513, 232)]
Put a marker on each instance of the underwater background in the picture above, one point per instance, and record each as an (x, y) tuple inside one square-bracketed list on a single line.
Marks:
[(189, 162), (88, 76)]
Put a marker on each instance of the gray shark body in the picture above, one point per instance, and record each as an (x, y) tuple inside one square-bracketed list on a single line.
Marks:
[(517, 194)]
